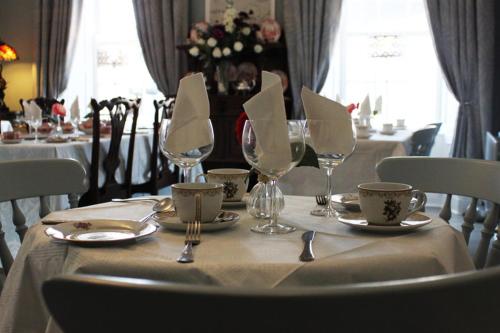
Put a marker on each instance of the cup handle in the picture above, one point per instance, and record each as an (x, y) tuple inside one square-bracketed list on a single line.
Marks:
[(421, 201), (204, 175)]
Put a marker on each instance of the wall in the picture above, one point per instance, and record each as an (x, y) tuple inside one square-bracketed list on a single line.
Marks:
[(18, 28)]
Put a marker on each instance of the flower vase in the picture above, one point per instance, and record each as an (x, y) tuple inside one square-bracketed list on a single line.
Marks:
[(222, 77), (259, 201)]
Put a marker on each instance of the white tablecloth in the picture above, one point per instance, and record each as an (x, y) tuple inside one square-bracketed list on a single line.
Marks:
[(233, 257), (81, 151), (358, 168)]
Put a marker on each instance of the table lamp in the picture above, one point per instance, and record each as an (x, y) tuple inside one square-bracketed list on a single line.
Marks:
[(7, 54)]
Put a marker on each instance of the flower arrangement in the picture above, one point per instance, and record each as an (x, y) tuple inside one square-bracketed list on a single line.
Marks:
[(235, 35), (351, 107)]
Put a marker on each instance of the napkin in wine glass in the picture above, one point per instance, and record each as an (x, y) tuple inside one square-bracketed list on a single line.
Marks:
[(75, 109), (338, 136), (271, 129), (189, 125), (365, 108)]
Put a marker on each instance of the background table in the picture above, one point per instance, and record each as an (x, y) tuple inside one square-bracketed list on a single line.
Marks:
[(233, 257), (358, 168)]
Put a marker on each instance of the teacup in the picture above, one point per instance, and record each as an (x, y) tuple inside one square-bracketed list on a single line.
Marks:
[(184, 196), (235, 182), (362, 131), (388, 203), (400, 123), (387, 128)]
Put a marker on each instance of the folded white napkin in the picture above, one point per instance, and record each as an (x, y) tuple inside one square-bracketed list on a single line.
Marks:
[(338, 99), (365, 108), (32, 110), (378, 105), (189, 126), (268, 107), (334, 134), (75, 109)]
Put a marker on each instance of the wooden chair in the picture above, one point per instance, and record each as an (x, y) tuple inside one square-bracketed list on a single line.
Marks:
[(466, 302), (37, 178), (118, 110), (422, 140), (161, 175), (477, 179)]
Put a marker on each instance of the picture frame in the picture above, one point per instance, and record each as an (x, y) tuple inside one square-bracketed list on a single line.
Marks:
[(262, 9)]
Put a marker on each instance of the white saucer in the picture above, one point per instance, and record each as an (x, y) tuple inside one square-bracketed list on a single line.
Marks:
[(349, 201), (99, 232), (11, 141), (387, 133), (175, 224), (358, 221), (363, 136)]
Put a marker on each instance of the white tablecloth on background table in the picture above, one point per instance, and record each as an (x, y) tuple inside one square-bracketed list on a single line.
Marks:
[(358, 168), (80, 151), (232, 257)]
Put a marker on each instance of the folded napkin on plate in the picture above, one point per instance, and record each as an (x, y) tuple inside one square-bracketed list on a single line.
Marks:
[(75, 109), (378, 105), (267, 108), (365, 108), (189, 126), (336, 137)]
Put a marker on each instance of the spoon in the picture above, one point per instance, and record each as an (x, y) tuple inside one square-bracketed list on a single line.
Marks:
[(161, 206), (135, 199)]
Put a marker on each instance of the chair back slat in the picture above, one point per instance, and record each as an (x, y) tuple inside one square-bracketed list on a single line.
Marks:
[(469, 219), (487, 233), (18, 219), (445, 213), (44, 206)]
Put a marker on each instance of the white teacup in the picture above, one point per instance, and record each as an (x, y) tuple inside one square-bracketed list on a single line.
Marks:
[(235, 182), (388, 203), (400, 122), (184, 196), (387, 128), (362, 131)]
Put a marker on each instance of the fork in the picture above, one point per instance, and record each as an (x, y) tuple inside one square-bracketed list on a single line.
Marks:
[(321, 200), (193, 235)]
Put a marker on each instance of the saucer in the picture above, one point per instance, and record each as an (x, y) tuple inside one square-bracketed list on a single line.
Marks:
[(358, 221), (226, 220), (57, 139), (11, 141), (388, 132), (349, 201), (363, 136)]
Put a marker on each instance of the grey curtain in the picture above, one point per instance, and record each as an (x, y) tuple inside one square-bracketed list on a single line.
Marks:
[(463, 33), (162, 25), (59, 21), (310, 29)]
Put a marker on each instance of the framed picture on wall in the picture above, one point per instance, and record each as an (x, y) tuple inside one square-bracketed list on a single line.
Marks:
[(262, 9)]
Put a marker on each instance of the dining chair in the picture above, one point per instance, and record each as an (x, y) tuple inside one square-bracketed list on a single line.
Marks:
[(117, 110), (476, 179), (37, 178), (423, 139), (161, 174), (464, 302)]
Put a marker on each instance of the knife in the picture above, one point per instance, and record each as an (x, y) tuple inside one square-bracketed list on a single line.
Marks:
[(307, 254)]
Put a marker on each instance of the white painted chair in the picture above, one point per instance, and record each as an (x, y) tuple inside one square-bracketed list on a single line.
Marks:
[(476, 179), (37, 178)]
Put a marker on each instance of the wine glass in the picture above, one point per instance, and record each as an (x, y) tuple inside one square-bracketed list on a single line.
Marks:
[(36, 122), (274, 161), (188, 159), (332, 147)]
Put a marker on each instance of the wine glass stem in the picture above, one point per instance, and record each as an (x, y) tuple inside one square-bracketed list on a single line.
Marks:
[(273, 221), (36, 134), (329, 192), (187, 174)]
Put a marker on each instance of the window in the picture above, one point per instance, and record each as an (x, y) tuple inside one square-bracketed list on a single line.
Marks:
[(385, 48), (108, 59)]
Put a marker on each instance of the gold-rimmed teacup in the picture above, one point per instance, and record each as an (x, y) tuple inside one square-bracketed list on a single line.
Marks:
[(235, 181), (184, 196)]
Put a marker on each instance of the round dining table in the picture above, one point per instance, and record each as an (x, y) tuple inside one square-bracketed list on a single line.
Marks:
[(234, 256)]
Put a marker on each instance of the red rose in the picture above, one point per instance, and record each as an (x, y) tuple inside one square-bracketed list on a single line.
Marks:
[(58, 110), (351, 107), (240, 124)]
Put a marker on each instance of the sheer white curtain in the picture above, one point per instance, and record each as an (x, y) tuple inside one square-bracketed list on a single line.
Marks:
[(109, 61), (407, 76)]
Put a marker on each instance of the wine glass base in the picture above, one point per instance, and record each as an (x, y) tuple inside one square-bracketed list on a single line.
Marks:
[(269, 229), (324, 212)]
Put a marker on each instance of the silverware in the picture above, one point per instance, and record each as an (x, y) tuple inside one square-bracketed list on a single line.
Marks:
[(307, 254), (135, 199), (321, 200), (162, 206), (193, 233)]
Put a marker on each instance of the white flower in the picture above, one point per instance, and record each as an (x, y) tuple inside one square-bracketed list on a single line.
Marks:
[(226, 51), (238, 46), (194, 51), (229, 15), (258, 48), (211, 42), (216, 53), (200, 41), (246, 31)]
